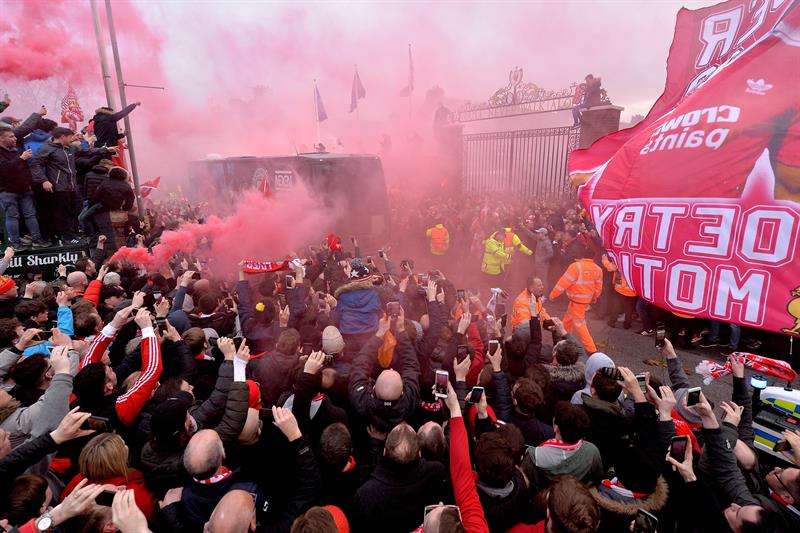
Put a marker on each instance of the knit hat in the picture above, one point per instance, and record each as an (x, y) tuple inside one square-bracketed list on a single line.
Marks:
[(332, 341), (357, 269), (339, 518), (6, 284), (169, 416), (253, 395)]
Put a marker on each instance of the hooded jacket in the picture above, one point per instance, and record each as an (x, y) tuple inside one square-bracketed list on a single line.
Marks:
[(15, 174), (619, 506), (566, 380), (113, 193), (595, 362), (35, 140), (358, 307), (105, 125)]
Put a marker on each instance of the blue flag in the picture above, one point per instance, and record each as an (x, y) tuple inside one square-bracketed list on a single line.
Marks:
[(357, 92), (321, 114)]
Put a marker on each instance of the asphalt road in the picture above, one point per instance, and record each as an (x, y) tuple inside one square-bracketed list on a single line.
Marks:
[(629, 349)]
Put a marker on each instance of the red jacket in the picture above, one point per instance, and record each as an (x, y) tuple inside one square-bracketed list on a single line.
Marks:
[(130, 404), (92, 292), (134, 480), (463, 480), (476, 365)]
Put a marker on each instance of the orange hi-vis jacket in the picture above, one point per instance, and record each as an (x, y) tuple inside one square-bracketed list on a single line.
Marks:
[(521, 310), (440, 239), (582, 281), (620, 285)]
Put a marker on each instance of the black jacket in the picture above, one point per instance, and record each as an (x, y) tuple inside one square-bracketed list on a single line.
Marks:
[(395, 496), (94, 178), (23, 457), (508, 506), (534, 430), (384, 415), (114, 194), (105, 126), (15, 174)]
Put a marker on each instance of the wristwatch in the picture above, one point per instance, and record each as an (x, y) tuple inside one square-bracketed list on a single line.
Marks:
[(44, 522)]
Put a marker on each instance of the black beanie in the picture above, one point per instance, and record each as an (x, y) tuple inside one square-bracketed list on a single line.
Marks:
[(636, 472), (169, 417)]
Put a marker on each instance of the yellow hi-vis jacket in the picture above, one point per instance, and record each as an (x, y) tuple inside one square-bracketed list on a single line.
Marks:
[(494, 257), (511, 242)]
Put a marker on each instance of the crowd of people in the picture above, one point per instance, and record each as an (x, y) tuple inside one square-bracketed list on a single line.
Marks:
[(340, 391), (61, 187)]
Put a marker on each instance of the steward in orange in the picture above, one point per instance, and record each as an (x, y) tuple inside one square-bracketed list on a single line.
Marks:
[(624, 298), (440, 239), (583, 283), (521, 310)]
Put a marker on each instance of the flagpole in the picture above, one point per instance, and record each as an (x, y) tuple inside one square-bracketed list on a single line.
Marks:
[(316, 112)]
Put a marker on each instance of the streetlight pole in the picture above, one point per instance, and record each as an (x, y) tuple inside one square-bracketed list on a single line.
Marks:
[(101, 50), (124, 103)]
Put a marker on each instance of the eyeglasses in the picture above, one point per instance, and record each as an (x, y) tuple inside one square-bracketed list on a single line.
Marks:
[(778, 477)]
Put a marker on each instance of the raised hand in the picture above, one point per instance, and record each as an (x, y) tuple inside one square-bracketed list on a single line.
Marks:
[(286, 422)]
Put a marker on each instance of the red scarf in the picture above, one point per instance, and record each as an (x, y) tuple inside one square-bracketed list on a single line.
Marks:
[(251, 266), (223, 473), (617, 487)]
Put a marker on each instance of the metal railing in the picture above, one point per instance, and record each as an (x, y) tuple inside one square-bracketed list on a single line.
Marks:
[(528, 162)]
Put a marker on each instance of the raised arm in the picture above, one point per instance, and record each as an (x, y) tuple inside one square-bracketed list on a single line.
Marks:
[(130, 404)]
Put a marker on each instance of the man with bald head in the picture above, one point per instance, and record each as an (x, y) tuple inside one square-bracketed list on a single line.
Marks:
[(235, 513), (393, 396), (217, 498), (402, 484)]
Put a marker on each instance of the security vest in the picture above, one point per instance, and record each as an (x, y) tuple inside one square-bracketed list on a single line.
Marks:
[(494, 257), (582, 281), (511, 242), (620, 284), (440, 239)]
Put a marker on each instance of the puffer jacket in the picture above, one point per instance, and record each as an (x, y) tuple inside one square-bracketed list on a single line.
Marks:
[(619, 507), (94, 178), (566, 380), (358, 307), (114, 194)]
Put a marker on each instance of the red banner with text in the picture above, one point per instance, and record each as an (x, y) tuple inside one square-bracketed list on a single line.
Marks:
[(704, 39), (700, 209)]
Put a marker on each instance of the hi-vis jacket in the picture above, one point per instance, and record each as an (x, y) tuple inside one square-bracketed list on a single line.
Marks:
[(440, 239), (582, 281), (620, 285), (494, 257), (511, 242)]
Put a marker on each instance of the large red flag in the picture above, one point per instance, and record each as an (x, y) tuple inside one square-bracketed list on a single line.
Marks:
[(700, 209), (704, 39)]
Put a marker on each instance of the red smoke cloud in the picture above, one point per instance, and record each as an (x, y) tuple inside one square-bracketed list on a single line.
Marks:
[(261, 228), (45, 37)]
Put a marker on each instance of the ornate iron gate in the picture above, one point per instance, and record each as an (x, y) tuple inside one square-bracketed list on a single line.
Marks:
[(524, 161), (529, 162)]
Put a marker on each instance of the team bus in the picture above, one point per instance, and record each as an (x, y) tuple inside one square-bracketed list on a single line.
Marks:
[(352, 185)]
